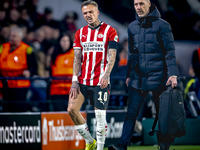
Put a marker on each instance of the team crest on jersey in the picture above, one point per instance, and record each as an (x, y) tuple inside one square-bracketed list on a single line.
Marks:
[(74, 44), (100, 35), (116, 38)]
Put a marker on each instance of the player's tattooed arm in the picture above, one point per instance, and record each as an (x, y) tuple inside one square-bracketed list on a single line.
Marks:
[(75, 88), (77, 62), (111, 62)]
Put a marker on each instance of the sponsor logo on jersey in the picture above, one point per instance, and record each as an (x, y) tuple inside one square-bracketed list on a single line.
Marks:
[(93, 46)]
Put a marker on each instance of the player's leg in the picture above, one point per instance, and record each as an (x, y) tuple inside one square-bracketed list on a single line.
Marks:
[(73, 109), (74, 106), (100, 116), (100, 97)]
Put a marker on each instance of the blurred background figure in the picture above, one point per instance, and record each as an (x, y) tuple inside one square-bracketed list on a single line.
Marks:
[(61, 65), (121, 65), (25, 18), (16, 60), (4, 33), (47, 19), (14, 16), (68, 23), (194, 83), (2, 16), (123, 58)]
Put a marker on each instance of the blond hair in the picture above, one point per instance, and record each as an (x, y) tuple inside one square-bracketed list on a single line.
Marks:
[(89, 2)]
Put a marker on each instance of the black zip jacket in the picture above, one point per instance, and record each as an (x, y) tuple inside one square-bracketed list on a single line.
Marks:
[(151, 52)]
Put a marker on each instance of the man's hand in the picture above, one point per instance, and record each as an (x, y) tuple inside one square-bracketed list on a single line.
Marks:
[(75, 90), (127, 81), (104, 81), (173, 81)]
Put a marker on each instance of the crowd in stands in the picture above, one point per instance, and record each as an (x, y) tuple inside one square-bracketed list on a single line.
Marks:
[(51, 44)]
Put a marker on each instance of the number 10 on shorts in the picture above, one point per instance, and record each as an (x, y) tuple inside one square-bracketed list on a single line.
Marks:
[(105, 96)]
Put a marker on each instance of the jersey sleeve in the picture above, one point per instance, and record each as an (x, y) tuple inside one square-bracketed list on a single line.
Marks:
[(113, 35), (77, 43)]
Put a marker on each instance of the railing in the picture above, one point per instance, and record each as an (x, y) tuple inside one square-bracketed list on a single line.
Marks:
[(117, 100)]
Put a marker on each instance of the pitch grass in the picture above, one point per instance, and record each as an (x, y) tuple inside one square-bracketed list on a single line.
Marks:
[(176, 147)]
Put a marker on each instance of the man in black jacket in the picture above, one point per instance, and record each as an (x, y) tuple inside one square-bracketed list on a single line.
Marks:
[(151, 65)]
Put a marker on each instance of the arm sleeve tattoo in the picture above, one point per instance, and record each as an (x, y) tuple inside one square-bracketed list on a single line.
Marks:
[(77, 62), (111, 61)]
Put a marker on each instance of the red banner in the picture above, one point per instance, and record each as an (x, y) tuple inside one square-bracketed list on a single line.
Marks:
[(59, 133)]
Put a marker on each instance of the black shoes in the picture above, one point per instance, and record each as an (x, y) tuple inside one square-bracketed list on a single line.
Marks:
[(113, 147)]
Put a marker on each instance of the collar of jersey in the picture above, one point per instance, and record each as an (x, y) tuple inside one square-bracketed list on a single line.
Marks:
[(96, 26)]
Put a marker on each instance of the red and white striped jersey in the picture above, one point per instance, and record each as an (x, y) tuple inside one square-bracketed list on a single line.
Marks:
[(94, 46)]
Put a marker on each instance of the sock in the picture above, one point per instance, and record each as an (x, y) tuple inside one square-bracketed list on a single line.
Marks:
[(100, 134), (84, 132), (100, 146), (106, 128)]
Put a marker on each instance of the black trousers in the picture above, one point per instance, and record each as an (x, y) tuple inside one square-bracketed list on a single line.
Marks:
[(135, 101)]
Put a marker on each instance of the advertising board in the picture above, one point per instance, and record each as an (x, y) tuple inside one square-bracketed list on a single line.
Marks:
[(20, 131), (59, 133)]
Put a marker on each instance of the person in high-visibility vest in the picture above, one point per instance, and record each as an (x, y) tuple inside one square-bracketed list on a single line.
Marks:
[(17, 60), (62, 66), (194, 83)]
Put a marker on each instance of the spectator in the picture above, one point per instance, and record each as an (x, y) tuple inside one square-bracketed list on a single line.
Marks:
[(14, 17), (62, 66), (68, 22), (30, 36), (49, 40), (123, 56), (5, 4), (122, 66), (25, 18), (47, 19), (40, 37), (26, 36), (194, 31), (31, 6), (39, 43), (4, 34), (194, 83), (2, 16), (16, 60)]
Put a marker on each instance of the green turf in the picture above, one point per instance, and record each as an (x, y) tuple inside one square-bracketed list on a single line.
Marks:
[(176, 147)]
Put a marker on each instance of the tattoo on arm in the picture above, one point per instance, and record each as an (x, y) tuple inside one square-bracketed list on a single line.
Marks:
[(111, 62), (77, 62)]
